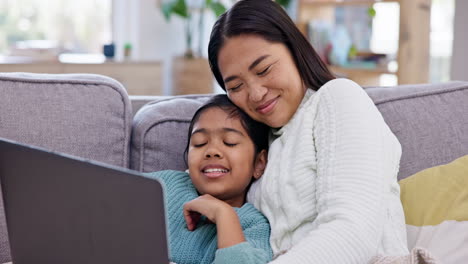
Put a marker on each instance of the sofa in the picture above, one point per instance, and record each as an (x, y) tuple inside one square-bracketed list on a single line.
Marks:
[(92, 117)]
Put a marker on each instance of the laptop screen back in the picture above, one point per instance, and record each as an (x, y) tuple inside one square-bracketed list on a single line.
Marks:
[(61, 209)]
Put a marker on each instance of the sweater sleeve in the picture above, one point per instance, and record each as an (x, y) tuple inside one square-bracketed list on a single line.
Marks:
[(241, 253), (256, 249), (356, 156)]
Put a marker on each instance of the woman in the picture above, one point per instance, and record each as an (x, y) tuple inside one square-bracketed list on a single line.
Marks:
[(330, 188)]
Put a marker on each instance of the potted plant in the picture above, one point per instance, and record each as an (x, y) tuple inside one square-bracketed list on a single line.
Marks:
[(191, 72), (186, 9)]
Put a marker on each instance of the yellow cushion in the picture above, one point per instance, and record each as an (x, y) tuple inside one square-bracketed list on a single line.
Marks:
[(437, 194), (435, 202)]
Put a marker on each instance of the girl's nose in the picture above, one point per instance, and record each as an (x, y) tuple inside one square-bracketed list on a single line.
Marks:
[(213, 153)]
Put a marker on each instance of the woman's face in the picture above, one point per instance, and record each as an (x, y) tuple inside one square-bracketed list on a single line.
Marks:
[(261, 78), (221, 157)]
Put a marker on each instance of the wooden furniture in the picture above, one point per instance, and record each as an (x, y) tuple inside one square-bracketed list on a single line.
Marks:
[(191, 76), (139, 78), (413, 43)]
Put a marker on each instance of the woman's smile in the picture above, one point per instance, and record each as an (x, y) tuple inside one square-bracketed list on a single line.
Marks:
[(268, 106)]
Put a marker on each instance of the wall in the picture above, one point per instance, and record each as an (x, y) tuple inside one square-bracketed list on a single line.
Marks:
[(141, 23), (459, 69)]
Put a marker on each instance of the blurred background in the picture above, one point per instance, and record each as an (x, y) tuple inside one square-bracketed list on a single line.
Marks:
[(159, 47)]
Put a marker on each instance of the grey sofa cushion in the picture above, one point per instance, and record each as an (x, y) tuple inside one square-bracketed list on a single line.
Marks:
[(83, 115), (138, 101), (430, 121), (159, 133)]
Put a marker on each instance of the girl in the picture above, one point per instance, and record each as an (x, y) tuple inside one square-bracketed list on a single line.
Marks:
[(226, 151), (330, 189)]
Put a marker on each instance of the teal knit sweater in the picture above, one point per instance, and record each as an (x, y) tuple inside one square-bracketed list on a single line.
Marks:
[(200, 245)]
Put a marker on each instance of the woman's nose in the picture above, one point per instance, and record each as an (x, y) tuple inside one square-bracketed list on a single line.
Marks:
[(257, 92)]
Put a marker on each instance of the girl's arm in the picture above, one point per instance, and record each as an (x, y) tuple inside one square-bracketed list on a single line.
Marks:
[(228, 227), (233, 247)]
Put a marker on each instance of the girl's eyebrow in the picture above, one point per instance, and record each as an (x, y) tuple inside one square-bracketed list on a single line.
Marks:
[(224, 129), (255, 63), (201, 130), (228, 129)]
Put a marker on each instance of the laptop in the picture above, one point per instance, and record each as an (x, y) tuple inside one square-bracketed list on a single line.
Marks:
[(63, 209)]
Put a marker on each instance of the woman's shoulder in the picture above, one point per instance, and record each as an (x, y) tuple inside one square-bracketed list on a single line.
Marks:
[(341, 87), (342, 91)]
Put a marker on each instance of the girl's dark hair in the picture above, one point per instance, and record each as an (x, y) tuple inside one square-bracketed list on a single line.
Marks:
[(267, 19), (257, 131)]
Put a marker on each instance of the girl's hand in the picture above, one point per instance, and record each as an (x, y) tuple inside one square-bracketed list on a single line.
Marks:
[(209, 206), (222, 214)]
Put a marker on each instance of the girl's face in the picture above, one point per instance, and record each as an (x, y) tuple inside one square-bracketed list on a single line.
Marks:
[(221, 157), (261, 78)]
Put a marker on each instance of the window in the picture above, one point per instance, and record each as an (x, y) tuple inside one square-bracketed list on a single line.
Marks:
[(40, 28), (442, 14)]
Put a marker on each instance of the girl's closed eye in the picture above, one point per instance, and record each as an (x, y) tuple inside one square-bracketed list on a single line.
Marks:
[(199, 145), (232, 139), (230, 144), (198, 140)]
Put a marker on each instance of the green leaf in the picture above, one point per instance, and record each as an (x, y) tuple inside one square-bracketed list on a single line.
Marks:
[(371, 12), (180, 8), (284, 3), (217, 8), (208, 2), (166, 8), (352, 51)]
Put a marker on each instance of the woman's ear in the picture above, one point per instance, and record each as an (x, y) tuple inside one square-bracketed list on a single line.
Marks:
[(260, 164)]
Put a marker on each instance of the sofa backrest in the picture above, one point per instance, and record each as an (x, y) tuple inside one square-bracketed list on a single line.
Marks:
[(159, 132), (430, 121), (83, 115)]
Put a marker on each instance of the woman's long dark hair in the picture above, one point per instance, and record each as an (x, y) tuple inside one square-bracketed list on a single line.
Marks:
[(267, 19)]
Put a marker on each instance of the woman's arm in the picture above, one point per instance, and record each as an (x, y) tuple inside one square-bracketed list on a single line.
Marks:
[(357, 159)]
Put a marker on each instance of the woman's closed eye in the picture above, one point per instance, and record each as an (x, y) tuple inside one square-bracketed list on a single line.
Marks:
[(235, 88), (264, 72)]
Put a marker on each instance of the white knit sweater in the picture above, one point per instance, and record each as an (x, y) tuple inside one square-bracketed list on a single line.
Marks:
[(330, 188)]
